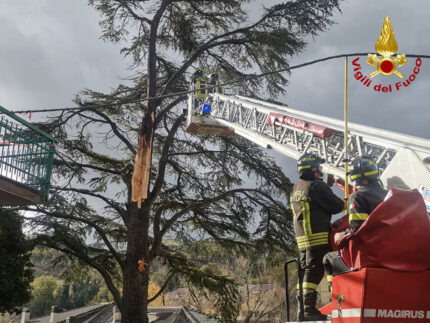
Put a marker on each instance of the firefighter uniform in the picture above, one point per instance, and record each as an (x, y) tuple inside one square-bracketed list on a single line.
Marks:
[(361, 203), (201, 86), (312, 203), (369, 194), (214, 81), (200, 82)]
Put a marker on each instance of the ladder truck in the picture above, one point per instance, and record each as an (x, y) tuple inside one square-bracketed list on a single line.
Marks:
[(380, 285)]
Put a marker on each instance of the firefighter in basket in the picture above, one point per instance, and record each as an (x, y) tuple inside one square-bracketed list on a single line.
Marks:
[(370, 193), (199, 83)]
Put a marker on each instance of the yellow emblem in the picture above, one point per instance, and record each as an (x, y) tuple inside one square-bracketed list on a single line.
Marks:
[(386, 46)]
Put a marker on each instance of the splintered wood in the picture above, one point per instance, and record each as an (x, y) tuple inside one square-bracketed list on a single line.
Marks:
[(142, 169)]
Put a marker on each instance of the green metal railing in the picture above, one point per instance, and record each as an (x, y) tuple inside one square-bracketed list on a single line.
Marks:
[(26, 152)]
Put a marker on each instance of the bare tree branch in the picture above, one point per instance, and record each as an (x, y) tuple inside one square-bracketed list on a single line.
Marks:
[(106, 276), (115, 129), (153, 298), (134, 14), (195, 205), (98, 168), (111, 203), (191, 153), (164, 158), (170, 106), (83, 220), (99, 157)]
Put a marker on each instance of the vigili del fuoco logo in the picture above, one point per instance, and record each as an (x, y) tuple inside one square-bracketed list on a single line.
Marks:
[(386, 46)]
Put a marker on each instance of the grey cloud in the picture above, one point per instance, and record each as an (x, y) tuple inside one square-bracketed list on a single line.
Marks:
[(50, 51), (320, 88)]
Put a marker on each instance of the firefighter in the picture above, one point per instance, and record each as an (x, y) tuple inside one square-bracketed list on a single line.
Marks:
[(199, 82), (313, 203), (369, 194), (214, 81), (361, 203)]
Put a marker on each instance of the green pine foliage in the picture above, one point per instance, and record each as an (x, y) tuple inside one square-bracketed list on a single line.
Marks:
[(201, 187), (16, 272)]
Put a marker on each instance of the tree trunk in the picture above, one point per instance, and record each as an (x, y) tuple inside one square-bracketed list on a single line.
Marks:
[(135, 283), (135, 299), (142, 164)]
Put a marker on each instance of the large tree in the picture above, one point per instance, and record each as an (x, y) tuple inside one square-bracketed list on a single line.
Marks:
[(199, 186)]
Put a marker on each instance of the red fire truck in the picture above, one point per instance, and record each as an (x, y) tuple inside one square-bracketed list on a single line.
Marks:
[(382, 273)]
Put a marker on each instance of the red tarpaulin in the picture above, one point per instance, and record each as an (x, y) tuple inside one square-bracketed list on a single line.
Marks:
[(396, 235), (339, 225)]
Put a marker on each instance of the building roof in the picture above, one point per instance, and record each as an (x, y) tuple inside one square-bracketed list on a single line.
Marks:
[(178, 315), (198, 316), (89, 311)]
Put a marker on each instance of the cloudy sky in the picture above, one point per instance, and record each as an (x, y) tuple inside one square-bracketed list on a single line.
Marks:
[(319, 88), (51, 49)]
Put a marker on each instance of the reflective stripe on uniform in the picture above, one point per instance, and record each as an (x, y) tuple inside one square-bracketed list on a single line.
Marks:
[(306, 214), (373, 172), (312, 236), (329, 278), (307, 286), (358, 216), (312, 240), (304, 245), (218, 88), (292, 209), (201, 93), (308, 217), (304, 167), (312, 286), (304, 218)]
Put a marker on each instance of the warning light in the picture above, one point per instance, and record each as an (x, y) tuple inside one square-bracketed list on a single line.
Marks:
[(206, 110)]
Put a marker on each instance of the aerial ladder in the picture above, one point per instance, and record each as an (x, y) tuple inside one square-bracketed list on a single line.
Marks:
[(401, 159), (363, 294)]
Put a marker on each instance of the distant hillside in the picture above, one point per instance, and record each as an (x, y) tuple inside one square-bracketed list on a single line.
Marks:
[(44, 261)]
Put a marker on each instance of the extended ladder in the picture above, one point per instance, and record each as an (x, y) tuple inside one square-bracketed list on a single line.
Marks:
[(399, 157)]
